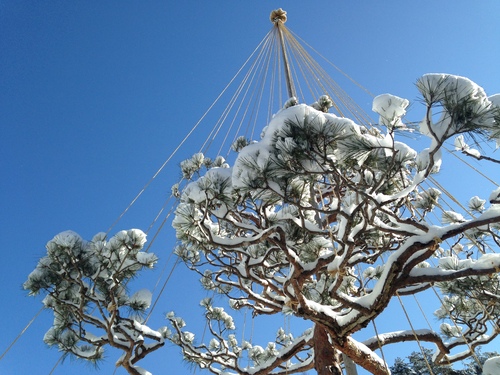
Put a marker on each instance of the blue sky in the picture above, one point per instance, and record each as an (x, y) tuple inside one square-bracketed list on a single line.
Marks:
[(94, 96)]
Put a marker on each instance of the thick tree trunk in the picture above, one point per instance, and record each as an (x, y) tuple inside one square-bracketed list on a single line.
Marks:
[(325, 358)]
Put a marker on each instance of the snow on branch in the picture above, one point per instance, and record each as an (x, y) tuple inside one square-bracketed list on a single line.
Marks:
[(325, 219), (322, 219), (85, 286)]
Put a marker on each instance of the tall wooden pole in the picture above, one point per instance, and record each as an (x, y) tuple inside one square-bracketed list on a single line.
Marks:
[(349, 365), (278, 17)]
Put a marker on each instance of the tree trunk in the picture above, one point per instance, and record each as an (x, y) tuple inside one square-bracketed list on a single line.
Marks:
[(325, 358), (328, 351)]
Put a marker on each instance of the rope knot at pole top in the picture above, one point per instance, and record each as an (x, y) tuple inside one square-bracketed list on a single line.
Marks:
[(278, 15)]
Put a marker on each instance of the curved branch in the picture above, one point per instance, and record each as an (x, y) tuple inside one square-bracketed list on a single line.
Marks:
[(388, 338)]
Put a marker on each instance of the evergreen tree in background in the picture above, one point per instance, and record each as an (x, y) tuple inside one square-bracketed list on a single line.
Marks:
[(416, 364)]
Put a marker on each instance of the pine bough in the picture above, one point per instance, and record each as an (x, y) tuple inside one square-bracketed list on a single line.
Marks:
[(325, 219)]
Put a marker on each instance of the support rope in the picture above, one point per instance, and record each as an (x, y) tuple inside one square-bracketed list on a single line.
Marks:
[(21, 333), (181, 143), (415, 335)]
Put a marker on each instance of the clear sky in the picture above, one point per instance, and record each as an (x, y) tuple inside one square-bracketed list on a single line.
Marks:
[(95, 95)]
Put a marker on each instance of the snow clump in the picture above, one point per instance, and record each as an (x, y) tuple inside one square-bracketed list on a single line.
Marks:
[(391, 109), (492, 366)]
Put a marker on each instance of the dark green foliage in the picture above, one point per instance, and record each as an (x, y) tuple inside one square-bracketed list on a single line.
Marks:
[(416, 364)]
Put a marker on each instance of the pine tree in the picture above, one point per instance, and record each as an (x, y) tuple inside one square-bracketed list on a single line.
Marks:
[(85, 286), (325, 220), (418, 365)]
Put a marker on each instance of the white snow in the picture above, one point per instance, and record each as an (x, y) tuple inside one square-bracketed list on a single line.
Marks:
[(488, 260), (473, 152), (494, 210), (142, 297), (137, 237), (476, 203), (66, 239), (395, 335), (214, 179), (146, 258), (492, 366), (260, 154), (391, 109), (451, 217), (142, 371), (460, 144), (446, 86), (451, 92), (495, 196)]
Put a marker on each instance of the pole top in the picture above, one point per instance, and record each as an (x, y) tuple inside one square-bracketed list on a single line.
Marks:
[(278, 15)]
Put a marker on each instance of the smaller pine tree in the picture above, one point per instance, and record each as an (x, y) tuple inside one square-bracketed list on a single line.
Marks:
[(420, 363), (85, 286)]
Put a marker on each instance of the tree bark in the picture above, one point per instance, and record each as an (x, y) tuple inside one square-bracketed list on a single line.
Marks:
[(369, 361), (325, 356)]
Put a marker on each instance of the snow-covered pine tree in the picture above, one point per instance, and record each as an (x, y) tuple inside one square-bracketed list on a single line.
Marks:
[(421, 363), (85, 286), (325, 219)]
